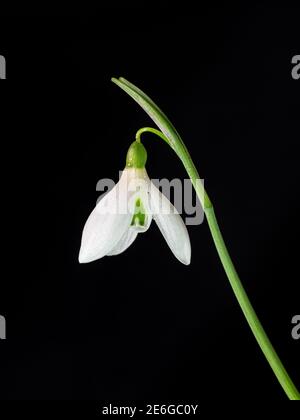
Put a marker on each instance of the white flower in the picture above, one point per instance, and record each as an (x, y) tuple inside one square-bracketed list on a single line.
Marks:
[(127, 210)]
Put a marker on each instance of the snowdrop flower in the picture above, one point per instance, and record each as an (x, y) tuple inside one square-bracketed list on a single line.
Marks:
[(128, 210)]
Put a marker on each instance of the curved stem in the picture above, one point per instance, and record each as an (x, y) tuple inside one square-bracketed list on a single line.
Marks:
[(238, 289), (188, 164), (150, 130), (245, 304), (171, 136)]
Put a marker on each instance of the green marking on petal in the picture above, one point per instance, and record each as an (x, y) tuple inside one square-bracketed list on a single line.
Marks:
[(139, 217)]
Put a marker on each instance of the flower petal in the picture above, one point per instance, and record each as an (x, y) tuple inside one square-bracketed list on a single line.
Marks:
[(127, 239), (106, 224), (171, 226)]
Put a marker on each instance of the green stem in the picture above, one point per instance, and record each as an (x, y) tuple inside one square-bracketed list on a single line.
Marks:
[(245, 304), (238, 289), (150, 130), (188, 164), (171, 136)]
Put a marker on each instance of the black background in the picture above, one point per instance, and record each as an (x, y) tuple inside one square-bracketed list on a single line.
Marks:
[(141, 326)]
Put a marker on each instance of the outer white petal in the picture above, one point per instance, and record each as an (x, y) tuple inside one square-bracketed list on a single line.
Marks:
[(107, 223), (171, 226), (125, 242)]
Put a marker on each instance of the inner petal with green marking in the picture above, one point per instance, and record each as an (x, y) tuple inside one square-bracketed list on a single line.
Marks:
[(139, 217)]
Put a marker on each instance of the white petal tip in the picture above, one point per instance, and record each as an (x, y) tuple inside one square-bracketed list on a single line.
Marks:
[(82, 260), (84, 257), (186, 260)]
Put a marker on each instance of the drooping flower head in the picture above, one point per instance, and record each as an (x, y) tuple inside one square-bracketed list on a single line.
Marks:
[(128, 210)]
